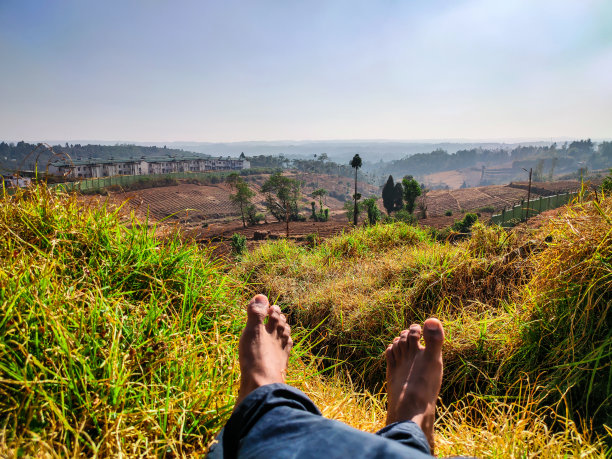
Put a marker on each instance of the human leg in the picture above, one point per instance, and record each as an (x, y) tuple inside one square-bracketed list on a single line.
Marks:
[(275, 420)]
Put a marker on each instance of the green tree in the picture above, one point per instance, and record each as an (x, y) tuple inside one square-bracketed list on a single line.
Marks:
[(398, 197), (242, 197), (350, 209), (605, 149), (372, 209), (412, 190), (282, 194), (388, 195), (355, 164), (319, 193)]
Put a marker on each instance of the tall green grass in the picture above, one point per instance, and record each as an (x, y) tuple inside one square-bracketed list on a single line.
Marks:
[(517, 307), (365, 286), (112, 340), (566, 337)]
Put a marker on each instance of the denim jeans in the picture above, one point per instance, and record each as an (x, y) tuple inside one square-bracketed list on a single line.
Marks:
[(279, 421)]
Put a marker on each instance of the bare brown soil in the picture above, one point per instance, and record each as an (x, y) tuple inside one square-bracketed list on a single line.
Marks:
[(208, 216)]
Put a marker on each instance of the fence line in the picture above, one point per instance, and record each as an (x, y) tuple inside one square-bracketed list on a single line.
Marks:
[(96, 184), (519, 212)]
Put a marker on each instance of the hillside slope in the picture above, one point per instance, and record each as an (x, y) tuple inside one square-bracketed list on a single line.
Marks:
[(115, 342)]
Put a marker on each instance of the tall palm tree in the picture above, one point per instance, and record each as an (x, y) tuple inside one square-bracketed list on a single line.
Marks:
[(356, 163)]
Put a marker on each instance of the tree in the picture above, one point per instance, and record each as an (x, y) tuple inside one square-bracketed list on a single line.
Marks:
[(412, 190), (319, 193), (242, 197), (398, 197), (281, 197), (388, 195), (356, 164), (605, 149), (350, 209), (372, 209)]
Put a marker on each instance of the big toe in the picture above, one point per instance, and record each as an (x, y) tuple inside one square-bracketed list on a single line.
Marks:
[(257, 310), (433, 333)]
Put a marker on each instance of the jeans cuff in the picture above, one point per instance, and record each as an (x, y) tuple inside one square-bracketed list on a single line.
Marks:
[(257, 404), (407, 433)]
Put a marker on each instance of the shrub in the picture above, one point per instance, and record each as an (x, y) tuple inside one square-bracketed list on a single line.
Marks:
[(404, 216), (373, 212), (254, 217), (238, 244), (463, 226), (448, 213), (312, 239), (490, 209)]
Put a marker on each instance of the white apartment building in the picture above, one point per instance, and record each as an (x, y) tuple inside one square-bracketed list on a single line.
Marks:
[(144, 166)]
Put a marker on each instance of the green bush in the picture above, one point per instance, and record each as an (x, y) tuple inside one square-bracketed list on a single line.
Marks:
[(463, 226), (404, 216), (490, 209), (373, 212), (238, 243)]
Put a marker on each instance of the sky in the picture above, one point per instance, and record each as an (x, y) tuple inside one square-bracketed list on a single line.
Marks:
[(208, 70)]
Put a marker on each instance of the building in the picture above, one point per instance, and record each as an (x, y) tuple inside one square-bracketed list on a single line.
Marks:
[(15, 181), (93, 168)]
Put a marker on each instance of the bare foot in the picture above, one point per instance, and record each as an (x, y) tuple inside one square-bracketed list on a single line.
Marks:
[(264, 347), (414, 376)]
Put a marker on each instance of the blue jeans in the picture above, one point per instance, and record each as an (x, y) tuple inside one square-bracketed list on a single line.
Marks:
[(280, 421)]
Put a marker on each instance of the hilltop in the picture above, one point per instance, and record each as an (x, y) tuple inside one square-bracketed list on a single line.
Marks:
[(114, 330)]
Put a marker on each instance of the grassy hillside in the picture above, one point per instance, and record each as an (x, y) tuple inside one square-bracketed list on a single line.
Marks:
[(116, 340), (528, 320), (111, 339)]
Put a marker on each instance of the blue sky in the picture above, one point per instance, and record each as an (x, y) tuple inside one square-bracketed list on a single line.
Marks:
[(200, 70)]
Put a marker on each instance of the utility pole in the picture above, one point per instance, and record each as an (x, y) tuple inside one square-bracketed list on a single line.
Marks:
[(355, 198), (528, 192), (287, 218)]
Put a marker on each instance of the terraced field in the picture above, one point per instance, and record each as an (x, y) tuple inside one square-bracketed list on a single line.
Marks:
[(208, 215), (498, 196), (194, 204)]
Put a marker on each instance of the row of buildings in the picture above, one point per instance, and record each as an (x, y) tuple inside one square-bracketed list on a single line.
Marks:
[(96, 168)]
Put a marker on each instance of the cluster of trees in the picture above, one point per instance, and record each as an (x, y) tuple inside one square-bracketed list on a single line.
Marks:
[(282, 197), (401, 195), (323, 214), (565, 157), (319, 164)]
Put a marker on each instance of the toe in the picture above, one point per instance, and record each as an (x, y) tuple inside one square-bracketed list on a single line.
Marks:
[(257, 310), (414, 335), (434, 337), (389, 356), (274, 318), (289, 344), (402, 344), (396, 349), (285, 335)]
